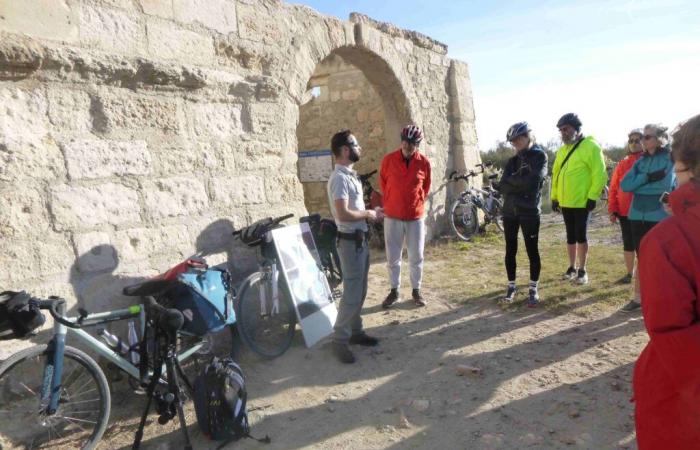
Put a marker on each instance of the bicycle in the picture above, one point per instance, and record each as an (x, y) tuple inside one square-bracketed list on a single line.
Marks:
[(372, 199), (323, 232), (464, 217), (56, 394), (264, 309)]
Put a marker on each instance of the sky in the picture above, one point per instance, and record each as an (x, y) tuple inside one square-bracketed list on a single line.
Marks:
[(618, 64)]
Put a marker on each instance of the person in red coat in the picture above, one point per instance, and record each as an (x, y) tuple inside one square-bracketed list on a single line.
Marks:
[(405, 176), (619, 205), (667, 373)]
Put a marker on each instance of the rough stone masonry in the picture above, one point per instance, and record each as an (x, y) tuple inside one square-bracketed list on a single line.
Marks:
[(134, 133)]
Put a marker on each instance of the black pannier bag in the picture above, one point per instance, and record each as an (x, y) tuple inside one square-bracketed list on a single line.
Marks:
[(19, 315)]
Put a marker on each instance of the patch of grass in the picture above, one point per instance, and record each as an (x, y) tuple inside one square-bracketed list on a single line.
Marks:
[(463, 272)]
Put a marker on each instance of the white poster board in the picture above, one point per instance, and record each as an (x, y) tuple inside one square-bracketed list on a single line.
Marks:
[(311, 295), (315, 165)]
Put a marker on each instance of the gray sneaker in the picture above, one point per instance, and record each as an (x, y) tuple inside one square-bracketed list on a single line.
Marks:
[(570, 274), (510, 295), (632, 306)]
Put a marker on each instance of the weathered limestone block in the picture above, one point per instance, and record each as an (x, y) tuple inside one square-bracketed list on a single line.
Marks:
[(220, 121), (158, 8), (256, 155), (168, 41), (95, 252), (264, 118), (111, 29), (252, 56), (219, 15), (19, 55), (142, 243), (284, 189), (199, 158), (23, 212), (128, 114), (46, 19), (460, 92), (37, 258), (254, 24), (23, 115), (96, 158), (69, 110), (172, 197), (78, 207), (237, 191)]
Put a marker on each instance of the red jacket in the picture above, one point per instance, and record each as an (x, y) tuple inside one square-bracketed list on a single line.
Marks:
[(667, 373), (618, 200), (404, 186)]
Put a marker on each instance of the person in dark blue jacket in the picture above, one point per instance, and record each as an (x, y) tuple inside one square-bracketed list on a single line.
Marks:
[(520, 186), (648, 179)]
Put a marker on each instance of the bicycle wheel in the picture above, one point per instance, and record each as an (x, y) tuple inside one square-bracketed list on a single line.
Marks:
[(267, 332), (222, 344), (464, 219), (83, 410)]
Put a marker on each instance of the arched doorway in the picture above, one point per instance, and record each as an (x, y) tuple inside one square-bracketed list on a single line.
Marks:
[(350, 88)]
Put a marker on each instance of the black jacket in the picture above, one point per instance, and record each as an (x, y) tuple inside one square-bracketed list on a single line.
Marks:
[(522, 181)]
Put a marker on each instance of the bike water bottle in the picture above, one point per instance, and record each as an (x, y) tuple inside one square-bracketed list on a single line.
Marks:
[(133, 343), (114, 342)]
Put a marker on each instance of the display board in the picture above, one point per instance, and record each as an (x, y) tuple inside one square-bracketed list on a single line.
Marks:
[(312, 297), (315, 165)]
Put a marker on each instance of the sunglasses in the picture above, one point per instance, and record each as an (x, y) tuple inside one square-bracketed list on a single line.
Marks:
[(649, 137), (634, 141)]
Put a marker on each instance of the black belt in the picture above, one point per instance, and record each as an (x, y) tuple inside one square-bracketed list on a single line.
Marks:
[(352, 236)]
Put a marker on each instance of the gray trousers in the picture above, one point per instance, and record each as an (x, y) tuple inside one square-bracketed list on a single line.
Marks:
[(354, 263), (412, 232)]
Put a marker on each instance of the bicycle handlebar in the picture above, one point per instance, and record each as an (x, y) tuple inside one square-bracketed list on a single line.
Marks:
[(271, 224)]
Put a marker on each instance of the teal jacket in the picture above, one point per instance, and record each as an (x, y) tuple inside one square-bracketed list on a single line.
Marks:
[(646, 204)]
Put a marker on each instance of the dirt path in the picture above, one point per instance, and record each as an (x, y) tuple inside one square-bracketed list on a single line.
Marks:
[(539, 380)]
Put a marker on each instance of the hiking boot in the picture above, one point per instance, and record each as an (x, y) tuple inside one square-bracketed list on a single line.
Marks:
[(533, 298), (582, 277), (627, 279), (632, 306), (570, 274), (510, 295), (390, 299), (363, 339), (343, 353), (417, 298)]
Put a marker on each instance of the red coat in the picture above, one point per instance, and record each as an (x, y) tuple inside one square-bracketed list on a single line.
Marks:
[(667, 373), (404, 186), (618, 200)]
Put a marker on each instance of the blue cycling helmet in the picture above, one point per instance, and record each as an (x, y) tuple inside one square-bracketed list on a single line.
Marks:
[(570, 119), (516, 130)]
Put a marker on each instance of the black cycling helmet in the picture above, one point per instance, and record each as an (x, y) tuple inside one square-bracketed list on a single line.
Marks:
[(570, 119), (516, 130)]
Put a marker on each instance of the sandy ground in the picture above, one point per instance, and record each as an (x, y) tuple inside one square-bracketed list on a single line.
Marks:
[(534, 380)]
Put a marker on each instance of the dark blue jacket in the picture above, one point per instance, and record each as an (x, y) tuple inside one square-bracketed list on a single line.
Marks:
[(521, 182)]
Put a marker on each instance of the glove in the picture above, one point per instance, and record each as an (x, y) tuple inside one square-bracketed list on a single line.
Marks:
[(657, 175), (590, 205), (555, 206)]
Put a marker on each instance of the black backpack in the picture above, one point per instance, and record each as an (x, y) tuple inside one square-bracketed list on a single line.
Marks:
[(220, 402)]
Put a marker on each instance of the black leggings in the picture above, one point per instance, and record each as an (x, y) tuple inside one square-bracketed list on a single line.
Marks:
[(531, 233), (576, 222)]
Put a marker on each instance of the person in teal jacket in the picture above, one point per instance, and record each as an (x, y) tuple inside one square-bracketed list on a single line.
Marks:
[(648, 179)]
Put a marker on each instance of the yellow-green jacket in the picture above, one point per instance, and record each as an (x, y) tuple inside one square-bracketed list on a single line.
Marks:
[(583, 177)]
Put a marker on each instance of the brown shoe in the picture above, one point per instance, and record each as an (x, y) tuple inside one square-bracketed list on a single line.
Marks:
[(390, 299), (417, 298), (343, 353)]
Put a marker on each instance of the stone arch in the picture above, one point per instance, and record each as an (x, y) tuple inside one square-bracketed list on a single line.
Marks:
[(387, 90)]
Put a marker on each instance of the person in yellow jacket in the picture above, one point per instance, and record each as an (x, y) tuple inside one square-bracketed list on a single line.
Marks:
[(578, 179)]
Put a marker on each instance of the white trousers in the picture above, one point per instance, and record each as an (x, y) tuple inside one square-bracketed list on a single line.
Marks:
[(413, 233)]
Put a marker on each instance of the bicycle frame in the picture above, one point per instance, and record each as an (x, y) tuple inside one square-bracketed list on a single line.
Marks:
[(53, 371)]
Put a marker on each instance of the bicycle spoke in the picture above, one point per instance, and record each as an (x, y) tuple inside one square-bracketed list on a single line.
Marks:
[(71, 419)]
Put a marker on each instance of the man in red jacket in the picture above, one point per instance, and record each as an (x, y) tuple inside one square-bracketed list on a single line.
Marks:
[(619, 205), (667, 374), (405, 182)]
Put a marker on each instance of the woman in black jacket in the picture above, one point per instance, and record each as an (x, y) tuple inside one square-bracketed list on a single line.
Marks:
[(520, 186)]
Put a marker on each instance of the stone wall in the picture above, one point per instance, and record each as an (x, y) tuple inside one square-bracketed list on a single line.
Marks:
[(345, 99), (134, 133)]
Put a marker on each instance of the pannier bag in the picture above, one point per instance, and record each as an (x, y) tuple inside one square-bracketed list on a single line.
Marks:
[(19, 315), (220, 402), (205, 299)]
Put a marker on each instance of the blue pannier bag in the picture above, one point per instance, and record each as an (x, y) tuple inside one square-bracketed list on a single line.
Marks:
[(205, 299)]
